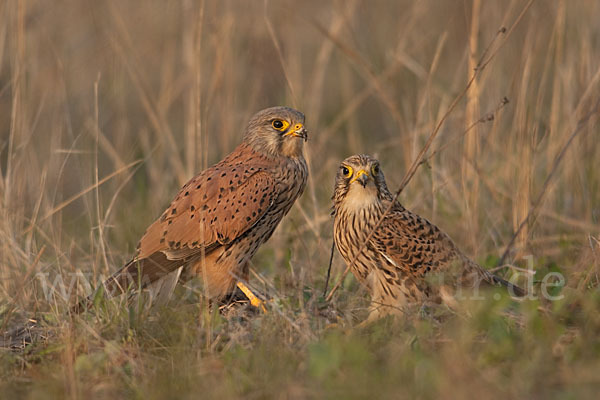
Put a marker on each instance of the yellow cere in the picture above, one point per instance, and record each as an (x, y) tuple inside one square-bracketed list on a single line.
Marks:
[(358, 175), (295, 129)]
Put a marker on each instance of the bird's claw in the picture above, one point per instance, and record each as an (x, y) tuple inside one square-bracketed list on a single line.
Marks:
[(254, 300)]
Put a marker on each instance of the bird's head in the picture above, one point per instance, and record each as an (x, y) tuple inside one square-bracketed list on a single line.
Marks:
[(359, 183), (277, 131)]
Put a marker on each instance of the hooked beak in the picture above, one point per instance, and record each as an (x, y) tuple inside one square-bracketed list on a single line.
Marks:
[(362, 177), (298, 130)]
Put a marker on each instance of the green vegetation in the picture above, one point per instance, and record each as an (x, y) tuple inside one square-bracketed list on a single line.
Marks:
[(149, 93)]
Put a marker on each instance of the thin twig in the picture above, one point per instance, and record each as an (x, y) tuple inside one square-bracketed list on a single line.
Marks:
[(485, 118), (580, 125), (329, 268)]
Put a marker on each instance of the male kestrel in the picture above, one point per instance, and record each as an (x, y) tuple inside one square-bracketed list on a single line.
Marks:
[(223, 215), (405, 254)]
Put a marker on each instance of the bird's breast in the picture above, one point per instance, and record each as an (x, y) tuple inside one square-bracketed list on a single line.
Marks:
[(290, 181), (291, 176), (352, 227)]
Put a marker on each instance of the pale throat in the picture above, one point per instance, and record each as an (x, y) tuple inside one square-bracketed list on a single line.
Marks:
[(292, 147), (358, 197)]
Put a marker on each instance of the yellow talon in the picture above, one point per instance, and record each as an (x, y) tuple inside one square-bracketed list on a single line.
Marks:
[(255, 301)]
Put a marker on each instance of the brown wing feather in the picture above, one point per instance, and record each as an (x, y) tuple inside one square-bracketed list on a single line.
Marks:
[(413, 242), (140, 272), (215, 212), (212, 209), (422, 249)]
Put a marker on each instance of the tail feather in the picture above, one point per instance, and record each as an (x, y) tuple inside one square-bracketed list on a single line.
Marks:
[(140, 273), (485, 275), (512, 288), (136, 274)]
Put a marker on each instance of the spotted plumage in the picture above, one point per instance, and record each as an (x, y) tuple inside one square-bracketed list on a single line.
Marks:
[(407, 259), (220, 217)]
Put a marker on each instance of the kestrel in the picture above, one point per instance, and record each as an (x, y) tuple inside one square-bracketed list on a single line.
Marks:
[(407, 259), (223, 215)]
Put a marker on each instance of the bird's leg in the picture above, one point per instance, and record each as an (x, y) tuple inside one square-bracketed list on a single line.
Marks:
[(255, 301)]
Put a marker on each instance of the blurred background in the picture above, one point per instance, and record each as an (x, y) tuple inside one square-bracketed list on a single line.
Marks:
[(108, 107)]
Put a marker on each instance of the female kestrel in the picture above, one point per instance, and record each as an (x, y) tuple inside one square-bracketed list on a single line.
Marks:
[(407, 259)]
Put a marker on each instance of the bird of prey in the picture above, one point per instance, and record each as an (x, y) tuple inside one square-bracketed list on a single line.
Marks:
[(406, 260), (220, 218)]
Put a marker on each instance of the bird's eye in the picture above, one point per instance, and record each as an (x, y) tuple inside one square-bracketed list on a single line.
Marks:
[(375, 170), (279, 124), (346, 171)]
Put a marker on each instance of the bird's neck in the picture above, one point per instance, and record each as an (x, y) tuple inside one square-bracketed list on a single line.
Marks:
[(358, 198), (272, 147), (292, 148)]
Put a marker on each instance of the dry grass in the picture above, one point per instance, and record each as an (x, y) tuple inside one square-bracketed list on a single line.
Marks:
[(106, 108)]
